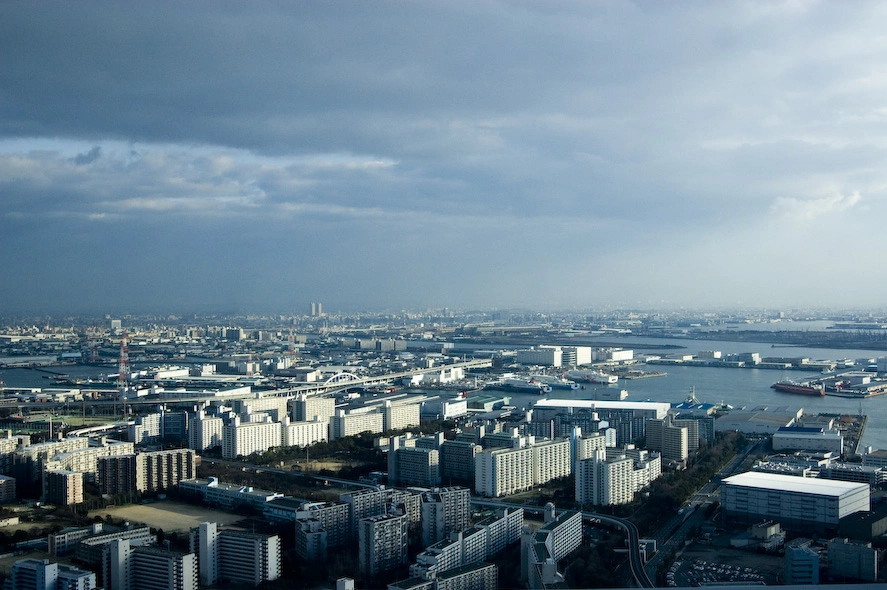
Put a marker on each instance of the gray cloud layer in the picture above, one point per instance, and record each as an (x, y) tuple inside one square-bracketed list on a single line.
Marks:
[(464, 154)]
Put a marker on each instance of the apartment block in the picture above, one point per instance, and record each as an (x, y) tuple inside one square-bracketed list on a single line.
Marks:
[(127, 567), (382, 543), (348, 424), (147, 429), (469, 546), (205, 432), (613, 476), (41, 574), (241, 439), (398, 416), (307, 408), (457, 461), (238, 557), (303, 434), (7, 489), (550, 460), (85, 460), (63, 488), (542, 549), (499, 472), (444, 510), (413, 466)]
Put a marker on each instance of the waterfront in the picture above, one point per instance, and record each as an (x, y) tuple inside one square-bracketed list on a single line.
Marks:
[(749, 388)]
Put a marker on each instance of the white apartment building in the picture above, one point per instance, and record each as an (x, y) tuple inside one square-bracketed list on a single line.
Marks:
[(550, 460), (85, 461), (614, 476), (239, 557), (499, 472), (273, 406), (444, 510), (348, 424), (542, 549), (147, 428), (30, 574), (604, 482), (307, 408), (242, 439), (502, 529), (148, 568), (205, 432), (587, 445), (476, 576), (33, 458), (382, 543), (398, 416), (303, 434)]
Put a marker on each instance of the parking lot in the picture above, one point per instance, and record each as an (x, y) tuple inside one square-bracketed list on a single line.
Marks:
[(717, 562)]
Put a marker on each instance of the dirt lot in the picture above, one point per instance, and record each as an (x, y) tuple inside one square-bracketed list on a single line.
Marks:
[(167, 515)]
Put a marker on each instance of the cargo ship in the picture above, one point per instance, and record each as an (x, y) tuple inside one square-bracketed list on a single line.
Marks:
[(792, 387)]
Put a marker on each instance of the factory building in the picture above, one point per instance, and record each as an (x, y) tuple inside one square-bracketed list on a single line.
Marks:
[(797, 503)]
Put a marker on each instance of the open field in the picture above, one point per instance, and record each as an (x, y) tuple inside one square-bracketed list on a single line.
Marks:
[(167, 515)]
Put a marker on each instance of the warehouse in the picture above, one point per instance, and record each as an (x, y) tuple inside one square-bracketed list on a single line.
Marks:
[(798, 503)]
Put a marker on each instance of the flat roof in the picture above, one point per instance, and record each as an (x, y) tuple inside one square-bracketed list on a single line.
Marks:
[(793, 483), (661, 407)]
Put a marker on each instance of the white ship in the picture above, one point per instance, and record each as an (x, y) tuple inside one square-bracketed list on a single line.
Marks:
[(520, 384), (592, 376), (555, 382)]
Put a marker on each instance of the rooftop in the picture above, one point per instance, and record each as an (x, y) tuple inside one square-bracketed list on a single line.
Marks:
[(792, 483)]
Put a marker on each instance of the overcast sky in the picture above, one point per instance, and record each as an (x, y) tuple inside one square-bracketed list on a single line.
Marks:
[(256, 156)]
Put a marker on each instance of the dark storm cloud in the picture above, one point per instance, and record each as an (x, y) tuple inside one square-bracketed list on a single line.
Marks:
[(410, 145)]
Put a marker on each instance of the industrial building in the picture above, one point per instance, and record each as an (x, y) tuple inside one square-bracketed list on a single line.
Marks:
[(798, 503)]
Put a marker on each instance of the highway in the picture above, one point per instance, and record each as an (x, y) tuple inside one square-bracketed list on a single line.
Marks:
[(319, 388)]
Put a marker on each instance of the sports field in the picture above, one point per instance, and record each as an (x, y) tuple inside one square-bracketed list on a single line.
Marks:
[(167, 515)]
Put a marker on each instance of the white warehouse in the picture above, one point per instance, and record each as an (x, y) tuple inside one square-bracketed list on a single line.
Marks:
[(795, 502)]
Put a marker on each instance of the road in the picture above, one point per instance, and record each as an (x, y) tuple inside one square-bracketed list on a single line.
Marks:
[(671, 536), (635, 561)]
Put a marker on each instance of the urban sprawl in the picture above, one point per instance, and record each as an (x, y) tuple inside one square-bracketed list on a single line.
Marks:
[(430, 451)]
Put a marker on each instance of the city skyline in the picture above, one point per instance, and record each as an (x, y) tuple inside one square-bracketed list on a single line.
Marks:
[(470, 155)]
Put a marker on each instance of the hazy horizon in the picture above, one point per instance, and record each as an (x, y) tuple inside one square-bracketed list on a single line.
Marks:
[(472, 155)]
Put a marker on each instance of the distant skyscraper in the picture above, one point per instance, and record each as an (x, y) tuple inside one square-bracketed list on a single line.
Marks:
[(316, 309)]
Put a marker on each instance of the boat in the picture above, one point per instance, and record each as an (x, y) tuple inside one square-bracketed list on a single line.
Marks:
[(792, 387), (555, 382), (592, 376), (521, 385)]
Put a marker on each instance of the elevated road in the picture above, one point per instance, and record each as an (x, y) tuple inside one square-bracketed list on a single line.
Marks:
[(320, 388)]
